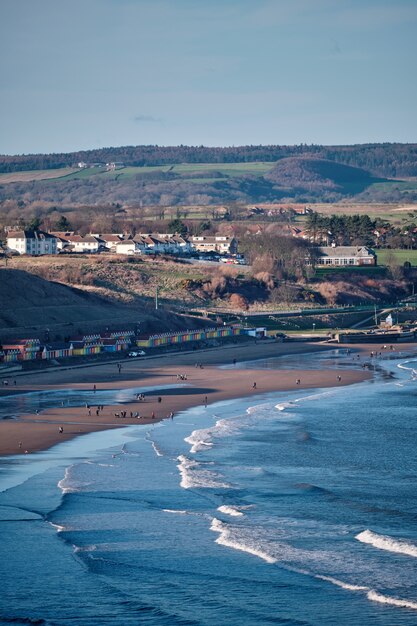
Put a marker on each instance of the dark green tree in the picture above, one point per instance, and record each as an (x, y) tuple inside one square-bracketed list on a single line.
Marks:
[(177, 226), (63, 224)]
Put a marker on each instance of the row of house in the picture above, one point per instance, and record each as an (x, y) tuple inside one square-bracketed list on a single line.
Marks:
[(97, 343), (36, 243), (34, 349)]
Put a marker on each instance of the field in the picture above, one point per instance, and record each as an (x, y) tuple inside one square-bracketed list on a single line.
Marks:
[(26, 177), (196, 172), (401, 256)]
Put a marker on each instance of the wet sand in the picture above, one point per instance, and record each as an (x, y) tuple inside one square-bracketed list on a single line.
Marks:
[(208, 384)]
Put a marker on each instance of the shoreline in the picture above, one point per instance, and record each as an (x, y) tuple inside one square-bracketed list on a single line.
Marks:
[(203, 386)]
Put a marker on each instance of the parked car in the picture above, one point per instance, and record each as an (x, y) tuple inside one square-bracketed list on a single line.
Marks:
[(134, 353)]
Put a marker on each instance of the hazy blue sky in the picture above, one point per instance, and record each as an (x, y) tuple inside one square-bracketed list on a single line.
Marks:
[(89, 73)]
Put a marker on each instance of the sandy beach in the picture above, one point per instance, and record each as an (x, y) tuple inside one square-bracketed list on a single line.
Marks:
[(206, 384)]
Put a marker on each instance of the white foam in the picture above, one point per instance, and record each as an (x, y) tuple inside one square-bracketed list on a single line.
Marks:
[(378, 597), (64, 483), (371, 594), (90, 548), (178, 512), (156, 449), (200, 440), (58, 527), (316, 396), (383, 542), (233, 511), (228, 538), (340, 583), (284, 405), (193, 475)]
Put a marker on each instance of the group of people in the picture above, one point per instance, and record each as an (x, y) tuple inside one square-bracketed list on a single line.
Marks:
[(181, 376), (123, 414), (100, 407)]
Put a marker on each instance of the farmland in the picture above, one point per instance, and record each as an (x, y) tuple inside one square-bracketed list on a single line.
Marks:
[(29, 176)]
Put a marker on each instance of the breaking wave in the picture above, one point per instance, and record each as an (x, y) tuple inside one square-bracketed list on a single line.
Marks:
[(383, 542), (193, 475), (228, 537)]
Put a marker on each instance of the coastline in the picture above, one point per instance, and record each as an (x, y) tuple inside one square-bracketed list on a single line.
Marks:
[(40, 432)]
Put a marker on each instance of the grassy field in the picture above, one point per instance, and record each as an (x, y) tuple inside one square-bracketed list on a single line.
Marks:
[(199, 172), (401, 256), (25, 177)]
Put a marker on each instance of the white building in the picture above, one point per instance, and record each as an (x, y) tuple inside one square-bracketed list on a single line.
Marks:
[(214, 243), (109, 240), (83, 244), (345, 255), (127, 246), (31, 242)]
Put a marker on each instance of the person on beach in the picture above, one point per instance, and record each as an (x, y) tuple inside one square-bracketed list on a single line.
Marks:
[(153, 415), (171, 415), (254, 386), (298, 381), (60, 430), (94, 389), (339, 378), (205, 401), (159, 399), (20, 444)]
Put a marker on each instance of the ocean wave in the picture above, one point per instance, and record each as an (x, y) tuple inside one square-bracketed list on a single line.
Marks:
[(227, 537), (90, 548), (58, 527), (412, 370), (340, 583), (233, 511), (316, 396), (379, 597), (178, 512), (199, 440), (62, 484), (68, 484), (156, 449), (193, 475), (281, 406), (383, 542), (371, 594)]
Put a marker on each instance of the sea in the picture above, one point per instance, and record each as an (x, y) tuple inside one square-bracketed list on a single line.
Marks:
[(293, 508)]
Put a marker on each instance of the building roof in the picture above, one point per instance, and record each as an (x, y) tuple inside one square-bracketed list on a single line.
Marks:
[(126, 242), (110, 238), (79, 238), (348, 251), (29, 234)]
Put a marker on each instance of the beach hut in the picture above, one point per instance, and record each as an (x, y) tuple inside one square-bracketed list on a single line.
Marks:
[(56, 350)]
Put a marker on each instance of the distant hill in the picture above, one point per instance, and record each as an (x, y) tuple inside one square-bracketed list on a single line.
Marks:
[(383, 159), (319, 175), (187, 175)]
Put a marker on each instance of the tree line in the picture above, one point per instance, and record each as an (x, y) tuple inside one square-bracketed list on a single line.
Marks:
[(387, 159)]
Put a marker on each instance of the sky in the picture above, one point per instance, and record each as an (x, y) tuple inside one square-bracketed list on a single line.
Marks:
[(86, 74)]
